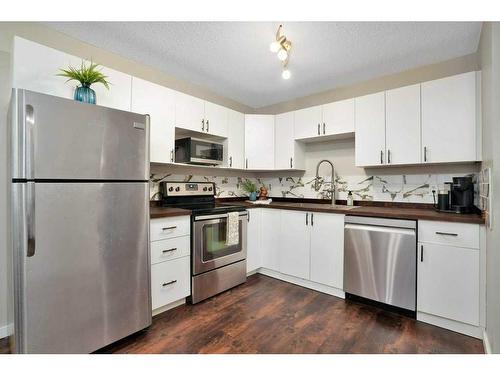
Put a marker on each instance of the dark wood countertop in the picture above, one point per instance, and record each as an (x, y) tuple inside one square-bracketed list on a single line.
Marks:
[(374, 211), (159, 212)]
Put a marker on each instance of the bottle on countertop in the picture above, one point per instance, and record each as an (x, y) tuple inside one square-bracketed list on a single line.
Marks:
[(350, 199)]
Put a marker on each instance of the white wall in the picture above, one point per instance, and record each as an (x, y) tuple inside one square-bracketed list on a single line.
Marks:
[(490, 61)]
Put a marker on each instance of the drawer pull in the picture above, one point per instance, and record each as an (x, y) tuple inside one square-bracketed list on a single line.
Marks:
[(169, 250), (169, 283), (169, 228), (447, 234)]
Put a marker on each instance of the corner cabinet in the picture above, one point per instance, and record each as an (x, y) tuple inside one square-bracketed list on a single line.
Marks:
[(159, 103), (450, 123), (259, 142), (288, 153)]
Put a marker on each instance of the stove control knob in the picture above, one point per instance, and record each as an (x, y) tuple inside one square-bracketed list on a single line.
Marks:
[(170, 188), (209, 189), (205, 188), (177, 188)]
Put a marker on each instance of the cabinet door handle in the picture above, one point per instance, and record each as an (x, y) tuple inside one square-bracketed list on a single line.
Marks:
[(207, 126), (381, 157), (319, 131), (307, 218), (388, 156), (169, 228), (312, 219), (248, 216), (421, 253), (230, 161), (447, 234), (172, 156), (324, 127), (246, 163), (169, 283), (291, 162), (169, 250), (425, 153), (203, 125)]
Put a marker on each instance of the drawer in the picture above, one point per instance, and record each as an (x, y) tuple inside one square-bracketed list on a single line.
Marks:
[(444, 233), (170, 281), (171, 248), (169, 227)]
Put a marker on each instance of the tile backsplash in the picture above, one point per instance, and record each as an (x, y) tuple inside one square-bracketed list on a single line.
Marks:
[(391, 188)]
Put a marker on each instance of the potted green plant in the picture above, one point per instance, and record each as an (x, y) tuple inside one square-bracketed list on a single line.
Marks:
[(250, 187), (87, 75)]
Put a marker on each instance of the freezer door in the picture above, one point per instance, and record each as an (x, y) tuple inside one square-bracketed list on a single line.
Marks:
[(85, 267), (56, 138)]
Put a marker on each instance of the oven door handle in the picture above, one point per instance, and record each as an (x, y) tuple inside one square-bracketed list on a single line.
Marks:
[(220, 216)]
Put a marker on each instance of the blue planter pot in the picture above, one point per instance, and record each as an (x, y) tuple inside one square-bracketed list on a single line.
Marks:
[(253, 196), (85, 94)]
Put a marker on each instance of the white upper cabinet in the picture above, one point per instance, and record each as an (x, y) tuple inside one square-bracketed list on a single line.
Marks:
[(338, 118), (289, 154), (35, 68), (159, 103), (189, 112), (449, 115), (216, 119), (402, 130), (370, 130), (327, 249), (259, 141), (308, 122), (235, 139), (295, 236)]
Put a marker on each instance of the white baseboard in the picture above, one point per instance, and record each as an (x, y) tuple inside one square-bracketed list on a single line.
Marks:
[(302, 282), (170, 306), (6, 330), (486, 343), (452, 325)]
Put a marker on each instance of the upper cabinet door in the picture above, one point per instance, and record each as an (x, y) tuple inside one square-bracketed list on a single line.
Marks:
[(338, 117), (259, 141), (449, 119), (35, 68), (159, 103), (285, 141), (370, 130), (216, 119), (189, 112), (308, 122), (235, 139), (403, 125)]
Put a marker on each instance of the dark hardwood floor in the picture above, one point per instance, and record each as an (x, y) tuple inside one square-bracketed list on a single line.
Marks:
[(270, 316)]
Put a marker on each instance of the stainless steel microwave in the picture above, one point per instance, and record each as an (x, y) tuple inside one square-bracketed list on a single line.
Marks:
[(198, 151)]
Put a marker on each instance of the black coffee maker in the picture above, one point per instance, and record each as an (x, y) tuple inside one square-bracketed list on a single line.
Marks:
[(459, 198)]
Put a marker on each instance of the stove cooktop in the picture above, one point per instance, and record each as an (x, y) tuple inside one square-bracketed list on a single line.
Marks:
[(207, 208)]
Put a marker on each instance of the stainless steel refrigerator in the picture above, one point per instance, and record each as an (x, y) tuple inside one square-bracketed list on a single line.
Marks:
[(80, 224)]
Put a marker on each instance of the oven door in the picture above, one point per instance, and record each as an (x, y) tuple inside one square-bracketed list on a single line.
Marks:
[(210, 250), (204, 152)]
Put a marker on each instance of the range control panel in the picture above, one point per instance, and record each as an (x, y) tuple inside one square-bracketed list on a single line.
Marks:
[(179, 189)]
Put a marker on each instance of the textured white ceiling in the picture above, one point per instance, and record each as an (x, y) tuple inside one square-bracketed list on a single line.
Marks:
[(233, 58)]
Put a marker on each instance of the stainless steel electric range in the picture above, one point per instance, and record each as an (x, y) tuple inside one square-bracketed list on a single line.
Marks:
[(215, 266)]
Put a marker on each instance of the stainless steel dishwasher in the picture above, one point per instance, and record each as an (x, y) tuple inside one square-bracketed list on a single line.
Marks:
[(380, 260)]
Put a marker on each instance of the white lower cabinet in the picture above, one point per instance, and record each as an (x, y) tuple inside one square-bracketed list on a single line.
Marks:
[(448, 278), (253, 239), (327, 249), (170, 259), (270, 243), (294, 244)]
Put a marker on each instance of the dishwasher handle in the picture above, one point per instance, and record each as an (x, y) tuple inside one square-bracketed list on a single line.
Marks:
[(376, 228)]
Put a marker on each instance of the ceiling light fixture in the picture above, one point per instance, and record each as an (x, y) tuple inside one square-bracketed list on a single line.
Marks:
[(282, 47)]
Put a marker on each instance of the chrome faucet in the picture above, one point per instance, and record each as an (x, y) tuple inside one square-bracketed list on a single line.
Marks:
[(333, 178)]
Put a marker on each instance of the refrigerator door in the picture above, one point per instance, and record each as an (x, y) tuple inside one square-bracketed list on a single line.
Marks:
[(56, 138), (85, 266)]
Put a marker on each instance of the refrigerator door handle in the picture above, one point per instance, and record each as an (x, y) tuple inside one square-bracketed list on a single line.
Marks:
[(29, 118), (30, 219)]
